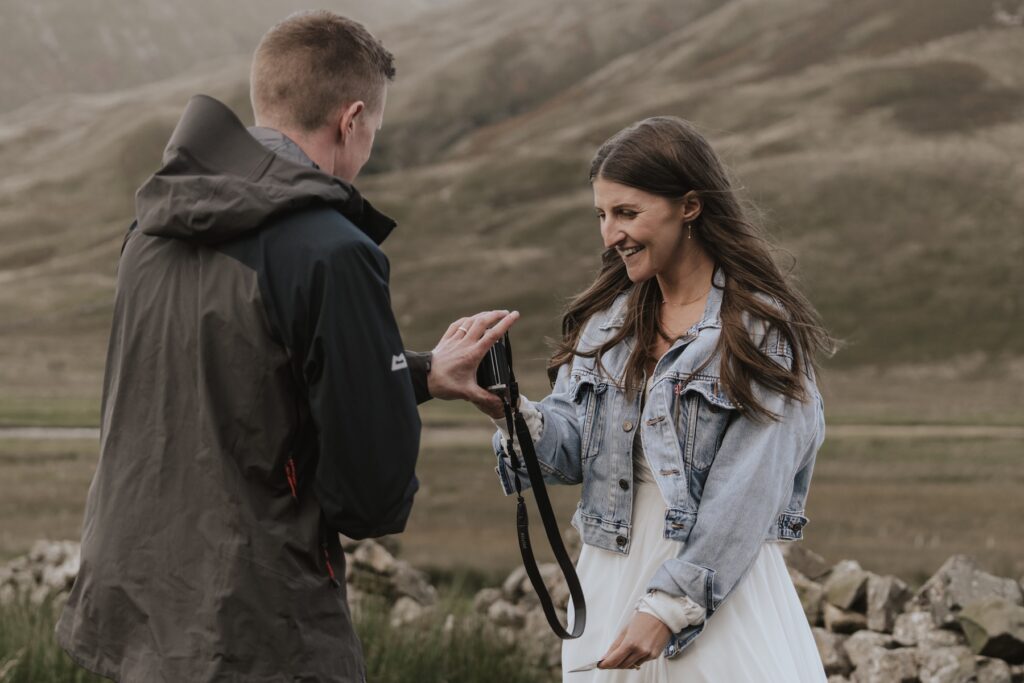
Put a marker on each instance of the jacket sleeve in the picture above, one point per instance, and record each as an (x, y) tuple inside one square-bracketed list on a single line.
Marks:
[(360, 395), (419, 368), (558, 448), (751, 473)]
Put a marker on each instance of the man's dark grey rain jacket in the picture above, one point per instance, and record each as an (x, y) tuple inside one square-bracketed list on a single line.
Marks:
[(257, 401)]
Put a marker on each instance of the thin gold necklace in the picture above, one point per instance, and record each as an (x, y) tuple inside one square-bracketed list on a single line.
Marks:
[(687, 303)]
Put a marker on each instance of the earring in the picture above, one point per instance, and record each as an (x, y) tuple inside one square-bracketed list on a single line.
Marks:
[(689, 231)]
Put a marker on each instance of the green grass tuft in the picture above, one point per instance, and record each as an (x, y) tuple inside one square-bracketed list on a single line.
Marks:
[(423, 652)]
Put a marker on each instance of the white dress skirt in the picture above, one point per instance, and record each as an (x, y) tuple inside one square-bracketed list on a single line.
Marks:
[(759, 634)]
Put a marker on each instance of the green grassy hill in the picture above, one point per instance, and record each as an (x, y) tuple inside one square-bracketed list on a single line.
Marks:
[(883, 142)]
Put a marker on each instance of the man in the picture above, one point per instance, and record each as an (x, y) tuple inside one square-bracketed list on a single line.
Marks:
[(257, 399)]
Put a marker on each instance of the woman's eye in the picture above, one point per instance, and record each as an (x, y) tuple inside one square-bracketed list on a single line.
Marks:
[(626, 213)]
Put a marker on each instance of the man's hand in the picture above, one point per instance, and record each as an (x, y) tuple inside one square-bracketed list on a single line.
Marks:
[(642, 640), (457, 356)]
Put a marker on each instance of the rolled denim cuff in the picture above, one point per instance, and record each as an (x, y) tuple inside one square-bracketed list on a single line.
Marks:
[(675, 612), (545, 441), (678, 577), (534, 421)]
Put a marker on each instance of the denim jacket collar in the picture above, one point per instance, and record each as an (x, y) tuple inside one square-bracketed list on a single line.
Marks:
[(616, 315)]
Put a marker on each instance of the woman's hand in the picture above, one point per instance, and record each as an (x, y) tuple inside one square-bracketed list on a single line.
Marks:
[(642, 640), (457, 356)]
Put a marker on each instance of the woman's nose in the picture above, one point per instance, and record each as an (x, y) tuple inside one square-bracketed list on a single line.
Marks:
[(610, 234)]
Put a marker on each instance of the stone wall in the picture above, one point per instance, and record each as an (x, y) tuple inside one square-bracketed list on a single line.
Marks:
[(963, 625)]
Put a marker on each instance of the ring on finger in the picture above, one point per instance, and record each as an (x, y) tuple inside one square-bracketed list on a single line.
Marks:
[(464, 329)]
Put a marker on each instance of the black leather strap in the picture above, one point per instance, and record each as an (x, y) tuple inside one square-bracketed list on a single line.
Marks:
[(517, 425)]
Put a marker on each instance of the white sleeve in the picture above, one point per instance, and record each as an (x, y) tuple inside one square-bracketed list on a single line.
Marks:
[(675, 612), (534, 421)]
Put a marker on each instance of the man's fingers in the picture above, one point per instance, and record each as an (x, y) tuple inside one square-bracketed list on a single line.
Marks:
[(482, 321), (488, 403), (496, 331), (453, 328)]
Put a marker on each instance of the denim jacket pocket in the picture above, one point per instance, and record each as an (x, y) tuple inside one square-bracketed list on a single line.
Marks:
[(703, 413), (588, 394)]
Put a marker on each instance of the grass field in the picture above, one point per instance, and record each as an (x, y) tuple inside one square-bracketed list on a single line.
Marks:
[(899, 500), (426, 652)]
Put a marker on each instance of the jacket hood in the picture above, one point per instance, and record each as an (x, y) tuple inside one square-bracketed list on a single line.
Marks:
[(218, 182)]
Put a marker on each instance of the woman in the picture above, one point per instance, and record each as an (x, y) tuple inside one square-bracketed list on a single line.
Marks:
[(684, 402)]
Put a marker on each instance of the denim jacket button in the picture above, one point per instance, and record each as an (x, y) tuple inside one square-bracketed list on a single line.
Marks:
[(627, 426), (620, 541), (623, 484)]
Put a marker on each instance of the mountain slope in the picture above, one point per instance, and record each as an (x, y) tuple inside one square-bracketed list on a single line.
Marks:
[(885, 153), (90, 46)]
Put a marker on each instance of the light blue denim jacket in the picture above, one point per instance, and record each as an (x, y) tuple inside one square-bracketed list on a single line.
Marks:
[(730, 483)]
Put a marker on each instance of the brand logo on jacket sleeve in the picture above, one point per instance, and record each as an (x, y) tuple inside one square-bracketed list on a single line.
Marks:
[(399, 363)]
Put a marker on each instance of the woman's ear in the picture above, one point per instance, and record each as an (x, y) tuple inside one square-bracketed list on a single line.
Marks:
[(691, 206)]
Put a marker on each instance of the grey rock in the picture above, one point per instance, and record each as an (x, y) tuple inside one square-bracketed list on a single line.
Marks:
[(959, 582), (886, 596), (862, 646), (538, 641), (513, 586), (39, 594), (838, 679), (830, 648), (484, 598), (993, 671), (941, 637), (889, 666), (946, 665), (807, 562), (412, 583), (504, 613), (918, 628), (846, 586), (373, 556), (348, 566), (995, 628), (910, 627), (811, 596), (843, 621), (407, 611), (1017, 673)]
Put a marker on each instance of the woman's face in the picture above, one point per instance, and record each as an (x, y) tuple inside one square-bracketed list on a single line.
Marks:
[(645, 229)]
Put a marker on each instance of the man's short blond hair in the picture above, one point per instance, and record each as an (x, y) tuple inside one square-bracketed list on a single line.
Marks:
[(312, 63)]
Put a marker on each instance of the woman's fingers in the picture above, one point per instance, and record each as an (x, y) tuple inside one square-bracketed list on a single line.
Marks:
[(615, 654)]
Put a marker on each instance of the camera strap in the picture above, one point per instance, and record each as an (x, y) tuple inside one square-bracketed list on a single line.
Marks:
[(517, 426)]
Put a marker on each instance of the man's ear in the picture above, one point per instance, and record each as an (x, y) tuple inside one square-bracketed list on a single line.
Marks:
[(347, 122)]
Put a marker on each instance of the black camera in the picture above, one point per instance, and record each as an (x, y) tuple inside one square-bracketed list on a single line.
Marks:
[(496, 368)]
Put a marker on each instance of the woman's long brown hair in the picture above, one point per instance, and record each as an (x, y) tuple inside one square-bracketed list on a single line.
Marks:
[(668, 157)]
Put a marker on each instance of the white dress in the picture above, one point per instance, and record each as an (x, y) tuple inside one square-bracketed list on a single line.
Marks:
[(759, 634)]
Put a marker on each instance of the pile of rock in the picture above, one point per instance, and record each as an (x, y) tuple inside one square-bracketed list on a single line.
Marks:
[(372, 569), (515, 612), (962, 625), (50, 569)]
